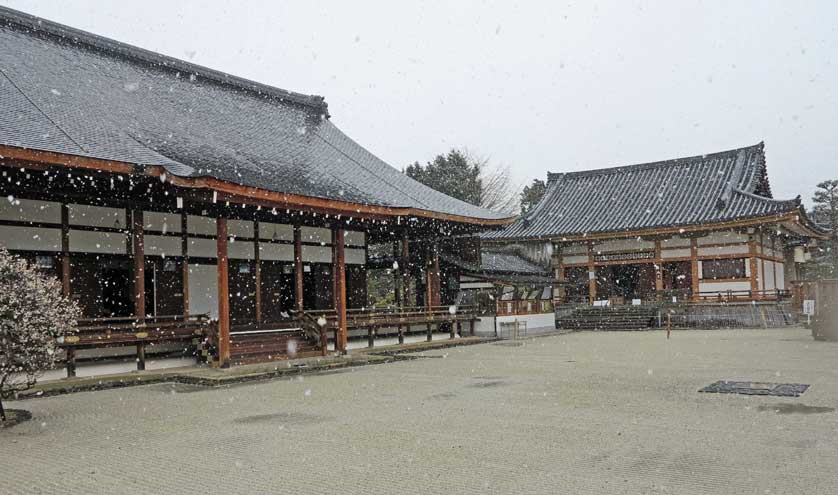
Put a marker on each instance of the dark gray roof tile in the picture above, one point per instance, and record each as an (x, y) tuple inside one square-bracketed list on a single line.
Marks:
[(703, 189), (73, 92)]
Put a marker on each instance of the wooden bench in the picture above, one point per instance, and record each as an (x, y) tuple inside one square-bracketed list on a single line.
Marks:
[(97, 333)]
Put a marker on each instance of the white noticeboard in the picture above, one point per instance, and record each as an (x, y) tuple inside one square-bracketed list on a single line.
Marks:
[(809, 307), (635, 302)]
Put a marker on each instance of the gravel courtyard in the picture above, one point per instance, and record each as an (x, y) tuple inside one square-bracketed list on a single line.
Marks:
[(596, 413)]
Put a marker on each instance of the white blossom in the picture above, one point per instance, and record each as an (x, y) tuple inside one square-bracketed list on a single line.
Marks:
[(33, 316)]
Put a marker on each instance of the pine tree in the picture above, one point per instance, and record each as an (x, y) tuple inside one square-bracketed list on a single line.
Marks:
[(825, 213), (531, 195)]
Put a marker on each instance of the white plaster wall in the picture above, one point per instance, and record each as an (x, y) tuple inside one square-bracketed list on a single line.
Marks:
[(781, 275), (317, 234), (722, 237), (569, 260), (544, 320), (317, 254), (485, 327), (161, 222), (575, 249), (240, 250), (202, 248), (200, 225), (27, 210), (723, 286), (162, 245), (240, 228), (720, 250), (279, 252), (82, 241), (623, 245), (355, 256), (760, 275), (354, 238), (30, 238), (676, 253), (769, 275), (203, 290), (276, 231), (676, 241), (97, 216)]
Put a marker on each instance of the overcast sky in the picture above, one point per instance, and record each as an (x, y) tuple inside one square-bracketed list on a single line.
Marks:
[(540, 87)]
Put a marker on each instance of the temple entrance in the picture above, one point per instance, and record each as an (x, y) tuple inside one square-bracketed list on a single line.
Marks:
[(622, 283), (278, 291)]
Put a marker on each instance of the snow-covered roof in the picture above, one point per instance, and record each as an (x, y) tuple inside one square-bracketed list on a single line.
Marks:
[(699, 190), (68, 91)]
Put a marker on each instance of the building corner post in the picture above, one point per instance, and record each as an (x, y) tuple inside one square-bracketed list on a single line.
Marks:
[(223, 295)]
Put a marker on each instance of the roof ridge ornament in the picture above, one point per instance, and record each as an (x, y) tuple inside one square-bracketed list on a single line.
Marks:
[(733, 181)]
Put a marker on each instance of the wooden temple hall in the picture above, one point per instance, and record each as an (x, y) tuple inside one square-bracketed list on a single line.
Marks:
[(704, 228), (181, 204)]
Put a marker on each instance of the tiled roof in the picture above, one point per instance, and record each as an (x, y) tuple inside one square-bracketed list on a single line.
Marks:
[(698, 190), (499, 262), (72, 92)]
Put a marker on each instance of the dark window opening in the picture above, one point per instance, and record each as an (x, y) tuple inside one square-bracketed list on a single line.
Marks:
[(722, 269)]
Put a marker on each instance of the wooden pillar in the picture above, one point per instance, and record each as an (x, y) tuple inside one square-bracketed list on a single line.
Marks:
[(298, 267), (71, 362), (140, 356), (658, 267), (397, 277), (558, 269), (138, 256), (65, 250), (774, 254), (405, 268), (591, 278), (694, 275), (184, 240), (754, 264), (257, 273), (223, 295), (339, 271), (432, 272)]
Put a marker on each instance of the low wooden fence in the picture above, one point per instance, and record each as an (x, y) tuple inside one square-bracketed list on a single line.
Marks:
[(401, 318), (94, 333)]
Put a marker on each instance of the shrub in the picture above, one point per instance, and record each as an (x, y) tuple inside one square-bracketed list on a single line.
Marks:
[(33, 316)]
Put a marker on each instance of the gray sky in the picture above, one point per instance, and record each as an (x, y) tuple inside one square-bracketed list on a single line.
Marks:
[(536, 86)]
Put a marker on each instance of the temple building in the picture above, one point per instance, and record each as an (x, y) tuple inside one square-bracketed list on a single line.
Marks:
[(703, 228), (155, 188)]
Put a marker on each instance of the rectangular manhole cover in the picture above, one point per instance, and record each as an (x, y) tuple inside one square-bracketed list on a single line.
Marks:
[(756, 388)]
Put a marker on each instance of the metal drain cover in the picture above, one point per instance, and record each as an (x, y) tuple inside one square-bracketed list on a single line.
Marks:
[(756, 388)]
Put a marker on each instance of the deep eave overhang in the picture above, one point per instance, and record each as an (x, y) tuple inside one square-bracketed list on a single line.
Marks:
[(797, 215), (239, 192)]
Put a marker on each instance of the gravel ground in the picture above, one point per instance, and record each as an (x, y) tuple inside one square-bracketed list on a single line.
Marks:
[(588, 413)]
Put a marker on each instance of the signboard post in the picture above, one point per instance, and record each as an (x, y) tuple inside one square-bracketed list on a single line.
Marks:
[(809, 309)]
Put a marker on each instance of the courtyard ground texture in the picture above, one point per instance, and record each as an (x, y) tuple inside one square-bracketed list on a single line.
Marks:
[(588, 413)]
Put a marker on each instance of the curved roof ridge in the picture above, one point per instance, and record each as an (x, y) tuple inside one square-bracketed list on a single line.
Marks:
[(797, 201), (66, 33), (661, 163)]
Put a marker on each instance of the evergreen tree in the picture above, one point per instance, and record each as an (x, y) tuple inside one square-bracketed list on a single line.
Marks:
[(825, 213), (531, 195), (452, 174)]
